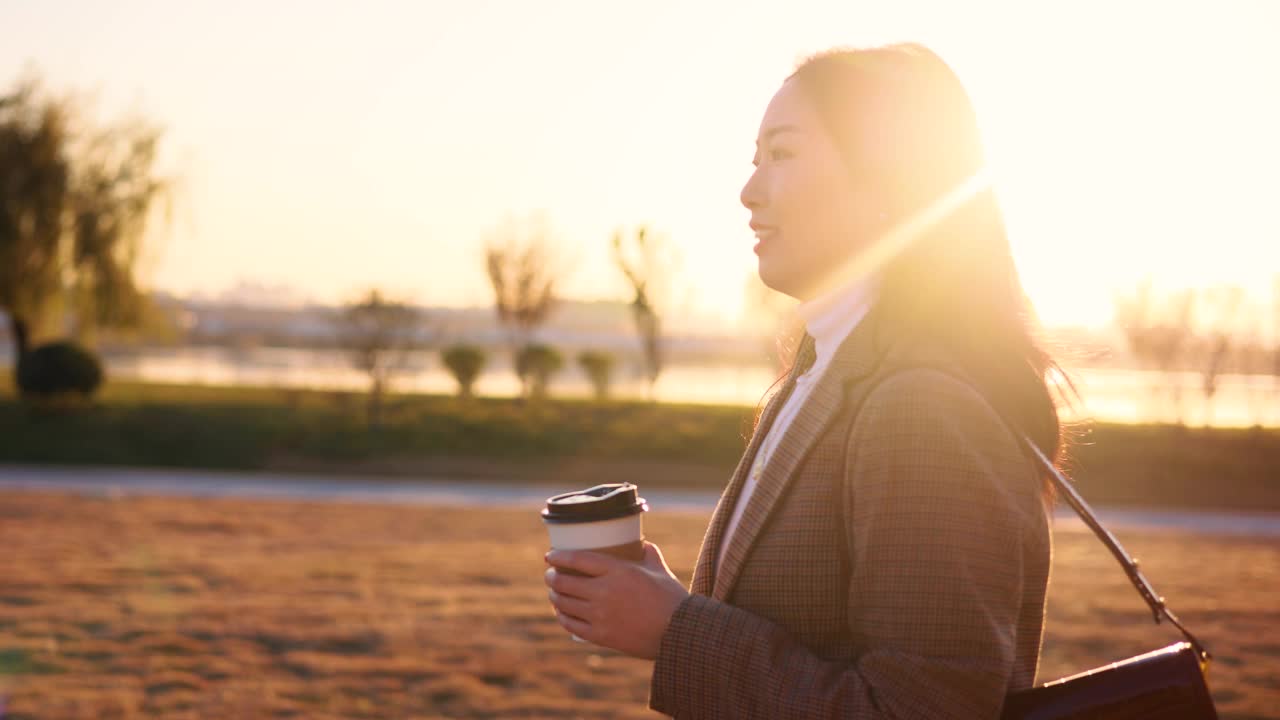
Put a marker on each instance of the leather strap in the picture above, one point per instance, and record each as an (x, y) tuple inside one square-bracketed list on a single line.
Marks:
[(1157, 604)]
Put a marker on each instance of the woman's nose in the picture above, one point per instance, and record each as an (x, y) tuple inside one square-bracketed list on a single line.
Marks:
[(752, 194)]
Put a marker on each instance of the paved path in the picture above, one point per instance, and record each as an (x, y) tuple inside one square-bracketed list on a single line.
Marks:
[(202, 483), (452, 491)]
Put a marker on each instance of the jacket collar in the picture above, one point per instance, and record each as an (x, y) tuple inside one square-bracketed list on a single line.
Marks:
[(857, 358)]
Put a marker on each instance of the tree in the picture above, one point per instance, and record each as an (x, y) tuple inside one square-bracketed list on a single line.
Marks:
[(379, 334), (35, 182), (113, 191), (598, 365), (646, 261), (523, 273), (770, 316), (464, 363), (1218, 308), (75, 201), (1157, 331), (1275, 337)]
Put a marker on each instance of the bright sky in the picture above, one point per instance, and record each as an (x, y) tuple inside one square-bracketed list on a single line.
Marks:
[(334, 146)]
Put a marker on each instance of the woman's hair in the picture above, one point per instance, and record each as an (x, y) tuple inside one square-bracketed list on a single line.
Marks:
[(908, 133)]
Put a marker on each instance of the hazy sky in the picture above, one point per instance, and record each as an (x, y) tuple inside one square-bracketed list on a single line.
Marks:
[(334, 146)]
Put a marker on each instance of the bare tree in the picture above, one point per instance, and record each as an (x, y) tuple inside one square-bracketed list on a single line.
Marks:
[(766, 314), (520, 263), (1275, 337), (646, 261), (1252, 359), (1218, 308), (379, 334), (1157, 331)]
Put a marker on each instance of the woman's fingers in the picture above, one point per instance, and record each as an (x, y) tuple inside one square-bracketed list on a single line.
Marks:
[(578, 627), (583, 561), (566, 584), (570, 605)]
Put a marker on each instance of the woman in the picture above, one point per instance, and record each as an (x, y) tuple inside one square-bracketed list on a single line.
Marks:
[(883, 547)]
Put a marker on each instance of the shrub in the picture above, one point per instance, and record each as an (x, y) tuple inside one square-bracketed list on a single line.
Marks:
[(464, 363), (535, 364), (59, 368), (598, 365)]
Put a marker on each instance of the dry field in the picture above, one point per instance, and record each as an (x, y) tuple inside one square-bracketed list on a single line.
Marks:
[(121, 607)]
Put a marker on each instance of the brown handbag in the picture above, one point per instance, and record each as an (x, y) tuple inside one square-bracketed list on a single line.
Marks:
[(1164, 684)]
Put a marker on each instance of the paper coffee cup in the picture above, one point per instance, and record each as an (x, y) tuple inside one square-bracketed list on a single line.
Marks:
[(604, 518)]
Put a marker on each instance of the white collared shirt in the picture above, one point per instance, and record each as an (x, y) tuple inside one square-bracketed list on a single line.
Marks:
[(829, 319)]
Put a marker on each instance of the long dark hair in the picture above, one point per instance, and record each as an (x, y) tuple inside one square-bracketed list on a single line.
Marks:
[(904, 122)]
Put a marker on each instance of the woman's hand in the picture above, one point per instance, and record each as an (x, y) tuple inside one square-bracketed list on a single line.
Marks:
[(622, 605)]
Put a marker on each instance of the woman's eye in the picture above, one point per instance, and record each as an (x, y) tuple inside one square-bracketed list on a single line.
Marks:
[(776, 154)]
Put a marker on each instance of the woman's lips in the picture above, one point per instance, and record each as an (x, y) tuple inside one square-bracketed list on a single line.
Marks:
[(763, 235)]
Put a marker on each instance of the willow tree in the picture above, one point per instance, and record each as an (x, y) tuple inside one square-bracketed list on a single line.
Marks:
[(35, 183), (113, 192), (75, 201)]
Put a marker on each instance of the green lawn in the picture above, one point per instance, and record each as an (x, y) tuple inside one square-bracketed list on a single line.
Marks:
[(262, 428), (199, 426)]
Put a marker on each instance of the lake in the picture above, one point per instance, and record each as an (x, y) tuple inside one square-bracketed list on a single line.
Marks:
[(1110, 394)]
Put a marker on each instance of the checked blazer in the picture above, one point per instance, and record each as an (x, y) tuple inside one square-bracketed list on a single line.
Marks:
[(891, 563)]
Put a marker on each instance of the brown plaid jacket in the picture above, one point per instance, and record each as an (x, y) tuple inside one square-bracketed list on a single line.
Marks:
[(891, 563)]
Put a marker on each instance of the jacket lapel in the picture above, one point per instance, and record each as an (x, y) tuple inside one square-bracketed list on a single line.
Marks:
[(704, 571), (855, 359)]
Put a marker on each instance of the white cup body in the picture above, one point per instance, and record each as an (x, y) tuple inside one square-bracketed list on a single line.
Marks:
[(602, 533)]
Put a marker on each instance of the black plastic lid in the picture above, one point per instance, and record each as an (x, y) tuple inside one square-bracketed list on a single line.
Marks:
[(602, 502)]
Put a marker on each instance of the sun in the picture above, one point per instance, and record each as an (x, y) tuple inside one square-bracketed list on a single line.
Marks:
[(1112, 169)]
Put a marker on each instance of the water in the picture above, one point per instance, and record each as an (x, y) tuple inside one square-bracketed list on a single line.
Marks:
[(721, 383), (1110, 394)]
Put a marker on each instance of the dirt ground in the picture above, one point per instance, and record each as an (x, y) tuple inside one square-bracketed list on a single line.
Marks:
[(122, 607)]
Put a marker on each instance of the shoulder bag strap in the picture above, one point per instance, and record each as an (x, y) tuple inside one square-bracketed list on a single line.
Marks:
[(1155, 602)]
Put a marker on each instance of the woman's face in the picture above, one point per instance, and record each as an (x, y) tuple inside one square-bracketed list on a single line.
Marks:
[(806, 212)]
